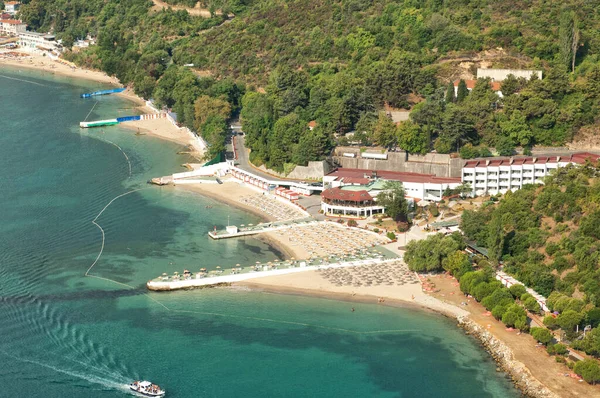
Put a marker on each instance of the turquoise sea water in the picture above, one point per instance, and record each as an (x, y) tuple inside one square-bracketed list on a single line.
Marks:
[(67, 335)]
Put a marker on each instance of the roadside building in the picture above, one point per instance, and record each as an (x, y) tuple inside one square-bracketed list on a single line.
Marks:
[(12, 27), (498, 175), (12, 7), (499, 75)]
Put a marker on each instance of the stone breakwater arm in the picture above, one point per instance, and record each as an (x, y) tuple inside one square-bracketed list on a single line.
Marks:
[(523, 379)]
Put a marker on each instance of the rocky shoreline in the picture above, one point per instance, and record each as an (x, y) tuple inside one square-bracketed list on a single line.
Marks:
[(521, 377)]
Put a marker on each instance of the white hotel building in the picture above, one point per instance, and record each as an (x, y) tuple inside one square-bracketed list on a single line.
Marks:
[(498, 175)]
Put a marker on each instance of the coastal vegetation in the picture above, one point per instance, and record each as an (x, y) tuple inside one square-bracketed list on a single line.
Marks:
[(548, 238), (341, 63)]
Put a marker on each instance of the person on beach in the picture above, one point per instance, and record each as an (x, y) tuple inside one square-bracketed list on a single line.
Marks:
[(352, 309)]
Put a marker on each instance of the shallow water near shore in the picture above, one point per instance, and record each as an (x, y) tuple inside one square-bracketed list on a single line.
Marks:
[(65, 334)]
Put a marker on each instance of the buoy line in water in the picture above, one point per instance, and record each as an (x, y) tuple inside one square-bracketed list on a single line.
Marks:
[(23, 80), (104, 237), (90, 112), (123, 152)]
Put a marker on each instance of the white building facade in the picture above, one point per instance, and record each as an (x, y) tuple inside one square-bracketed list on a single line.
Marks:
[(12, 7), (499, 175), (33, 42), (12, 27)]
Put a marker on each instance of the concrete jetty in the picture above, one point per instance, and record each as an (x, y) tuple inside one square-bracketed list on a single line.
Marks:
[(198, 282)]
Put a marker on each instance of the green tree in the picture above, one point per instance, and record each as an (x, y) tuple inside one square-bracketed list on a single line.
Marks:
[(517, 129), (517, 290), (450, 97), (412, 138), (569, 319), (505, 146), (542, 335), (384, 131), (514, 314), (568, 39), (206, 107), (589, 370), (462, 91), (510, 85), (532, 305), (457, 263), (392, 197), (427, 255)]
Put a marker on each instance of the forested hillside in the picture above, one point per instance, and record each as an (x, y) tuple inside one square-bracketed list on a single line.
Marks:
[(340, 62)]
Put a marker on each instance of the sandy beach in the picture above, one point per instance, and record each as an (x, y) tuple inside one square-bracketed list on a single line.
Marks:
[(227, 193), (39, 62)]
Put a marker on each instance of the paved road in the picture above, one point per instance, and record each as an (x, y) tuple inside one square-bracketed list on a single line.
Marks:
[(244, 162)]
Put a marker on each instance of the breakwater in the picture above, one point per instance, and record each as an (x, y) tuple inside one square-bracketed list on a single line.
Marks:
[(521, 377), (204, 281)]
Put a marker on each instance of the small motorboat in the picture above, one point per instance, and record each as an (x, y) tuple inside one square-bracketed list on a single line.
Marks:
[(146, 388)]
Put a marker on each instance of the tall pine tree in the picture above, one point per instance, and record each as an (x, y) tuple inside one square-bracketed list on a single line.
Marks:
[(462, 91), (450, 93), (568, 40)]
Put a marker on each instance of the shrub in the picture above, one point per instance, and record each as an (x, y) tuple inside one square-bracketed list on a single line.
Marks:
[(532, 305), (589, 370), (560, 349), (391, 235), (340, 221), (517, 290), (550, 322), (542, 335), (433, 209), (403, 226), (352, 223), (376, 230)]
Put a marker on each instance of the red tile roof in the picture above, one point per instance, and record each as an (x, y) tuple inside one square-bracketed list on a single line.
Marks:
[(578, 158), (392, 175), (312, 124), (351, 196), (496, 86), (11, 21)]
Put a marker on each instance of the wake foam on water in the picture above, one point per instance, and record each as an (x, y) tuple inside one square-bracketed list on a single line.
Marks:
[(116, 382)]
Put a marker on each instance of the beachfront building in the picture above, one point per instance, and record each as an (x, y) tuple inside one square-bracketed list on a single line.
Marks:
[(353, 192), (37, 42), (12, 27), (498, 175), (346, 202), (417, 186)]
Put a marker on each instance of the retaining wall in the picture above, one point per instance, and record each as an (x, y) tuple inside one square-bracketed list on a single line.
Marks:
[(436, 164)]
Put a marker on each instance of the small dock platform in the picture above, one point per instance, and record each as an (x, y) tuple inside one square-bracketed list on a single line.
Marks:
[(233, 231)]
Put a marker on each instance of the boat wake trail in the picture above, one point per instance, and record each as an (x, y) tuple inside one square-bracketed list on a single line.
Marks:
[(117, 383)]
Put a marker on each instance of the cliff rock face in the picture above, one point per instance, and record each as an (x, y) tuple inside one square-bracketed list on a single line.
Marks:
[(528, 384)]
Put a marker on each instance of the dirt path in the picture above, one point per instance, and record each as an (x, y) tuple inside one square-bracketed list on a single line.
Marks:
[(542, 366), (196, 11)]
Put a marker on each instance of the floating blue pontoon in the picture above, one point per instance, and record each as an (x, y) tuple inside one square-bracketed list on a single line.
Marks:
[(103, 92)]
